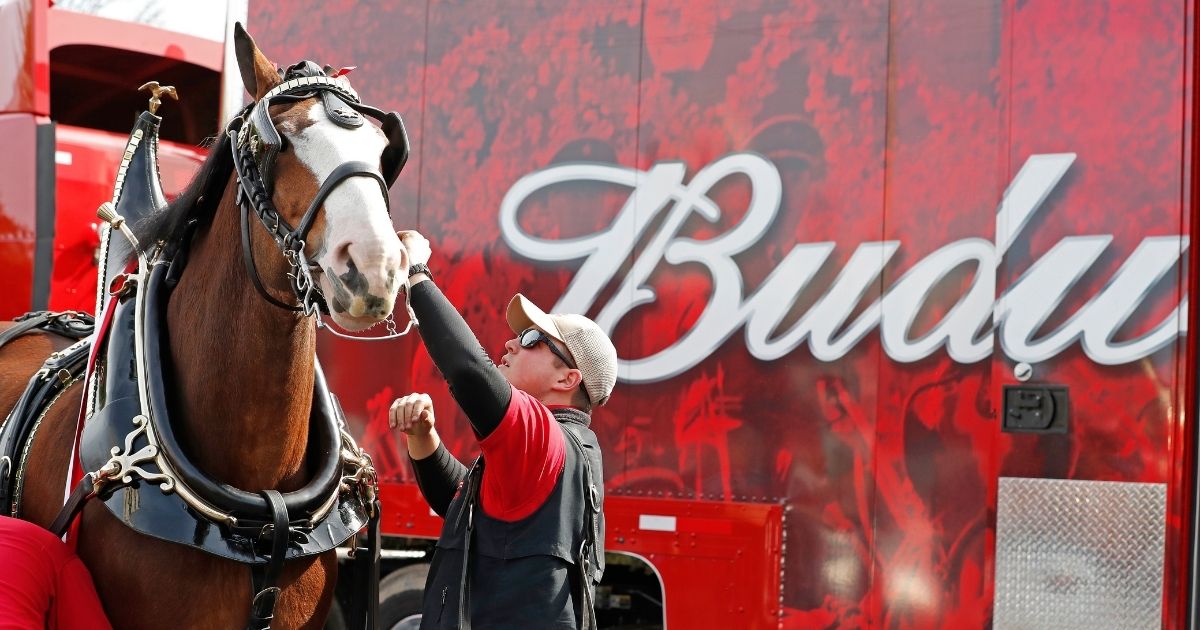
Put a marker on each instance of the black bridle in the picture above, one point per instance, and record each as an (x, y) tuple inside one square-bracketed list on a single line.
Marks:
[(256, 143)]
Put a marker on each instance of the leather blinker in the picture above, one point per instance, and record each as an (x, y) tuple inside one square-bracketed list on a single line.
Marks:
[(340, 112)]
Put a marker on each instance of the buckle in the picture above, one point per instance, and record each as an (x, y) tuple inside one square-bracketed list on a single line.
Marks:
[(263, 604)]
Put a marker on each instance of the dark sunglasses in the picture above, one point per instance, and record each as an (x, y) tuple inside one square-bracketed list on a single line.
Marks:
[(530, 338)]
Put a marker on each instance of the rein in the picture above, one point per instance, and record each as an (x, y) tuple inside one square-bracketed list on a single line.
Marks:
[(254, 142)]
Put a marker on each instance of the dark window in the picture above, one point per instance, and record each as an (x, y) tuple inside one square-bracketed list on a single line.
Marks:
[(97, 87)]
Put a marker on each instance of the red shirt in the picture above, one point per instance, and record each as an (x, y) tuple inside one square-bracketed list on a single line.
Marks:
[(43, 584), (525, 456)]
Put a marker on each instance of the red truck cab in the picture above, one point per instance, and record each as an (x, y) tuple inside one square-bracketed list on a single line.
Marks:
[(74, 99)]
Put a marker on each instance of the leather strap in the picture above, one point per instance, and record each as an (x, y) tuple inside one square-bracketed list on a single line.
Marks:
[(251, 267), (83, 491), (366, 566), (57, 373), (266, 594), (35, 320), (344, 171)]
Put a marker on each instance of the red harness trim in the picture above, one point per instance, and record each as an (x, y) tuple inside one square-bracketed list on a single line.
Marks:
[(75, 470)]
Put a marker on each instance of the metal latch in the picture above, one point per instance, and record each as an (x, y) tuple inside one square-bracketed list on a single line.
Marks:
[(1035, 409)]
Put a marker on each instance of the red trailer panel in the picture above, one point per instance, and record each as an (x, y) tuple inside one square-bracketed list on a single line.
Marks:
[(849, 254), (825, 237), (18, 211)]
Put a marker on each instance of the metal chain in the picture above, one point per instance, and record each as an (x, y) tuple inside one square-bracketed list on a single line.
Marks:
[(391, 329)]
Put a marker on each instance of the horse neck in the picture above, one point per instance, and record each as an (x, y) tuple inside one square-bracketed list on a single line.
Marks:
[(243, 368)]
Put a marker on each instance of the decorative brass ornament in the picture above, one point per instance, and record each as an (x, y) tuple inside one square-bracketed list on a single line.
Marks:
[(157, 91), (124, 464)]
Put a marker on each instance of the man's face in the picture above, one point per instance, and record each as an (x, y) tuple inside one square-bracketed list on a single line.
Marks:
[(533, 370)]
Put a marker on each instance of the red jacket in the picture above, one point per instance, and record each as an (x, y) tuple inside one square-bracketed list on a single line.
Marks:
[(43, 584)]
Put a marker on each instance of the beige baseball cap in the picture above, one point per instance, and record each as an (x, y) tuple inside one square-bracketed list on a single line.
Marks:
[(592, 350)]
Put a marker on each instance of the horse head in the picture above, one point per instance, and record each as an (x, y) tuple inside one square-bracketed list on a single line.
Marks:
[(326, 169)]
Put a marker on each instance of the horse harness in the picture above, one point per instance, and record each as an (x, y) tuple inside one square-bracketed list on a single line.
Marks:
[(134, 461), (58, 372), (138, 469), (255, 144)]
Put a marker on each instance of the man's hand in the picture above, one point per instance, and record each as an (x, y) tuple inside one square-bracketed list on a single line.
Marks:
[(416, 245), (412, 414)]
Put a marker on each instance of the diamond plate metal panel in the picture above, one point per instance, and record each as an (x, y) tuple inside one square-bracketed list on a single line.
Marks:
[(1079, 554)]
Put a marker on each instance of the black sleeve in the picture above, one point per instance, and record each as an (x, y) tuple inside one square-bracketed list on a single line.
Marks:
[(438, 476), (480, 389)]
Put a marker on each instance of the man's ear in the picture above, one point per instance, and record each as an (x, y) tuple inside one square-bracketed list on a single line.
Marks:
[(258, 73), (569, 380)]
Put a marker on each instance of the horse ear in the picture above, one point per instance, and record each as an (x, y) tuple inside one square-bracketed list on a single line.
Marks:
[(258, 73)]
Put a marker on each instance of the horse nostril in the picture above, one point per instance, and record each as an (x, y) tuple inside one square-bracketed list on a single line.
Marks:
[(353, 280)]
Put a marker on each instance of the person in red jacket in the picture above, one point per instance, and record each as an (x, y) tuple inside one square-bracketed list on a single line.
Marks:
[(43, 584)]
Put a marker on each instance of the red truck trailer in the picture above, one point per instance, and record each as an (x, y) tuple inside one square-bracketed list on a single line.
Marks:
[(900, 289)]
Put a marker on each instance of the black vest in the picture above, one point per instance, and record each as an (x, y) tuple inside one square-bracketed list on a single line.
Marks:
[(523, 574)]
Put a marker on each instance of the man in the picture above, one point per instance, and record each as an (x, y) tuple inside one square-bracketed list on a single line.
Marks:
[(522, 543)]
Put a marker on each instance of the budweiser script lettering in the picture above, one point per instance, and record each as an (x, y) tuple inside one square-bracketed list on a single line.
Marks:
[(964, 331)]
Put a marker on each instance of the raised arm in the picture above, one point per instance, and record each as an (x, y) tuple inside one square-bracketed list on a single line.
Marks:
[(478, 387), (518, 435)]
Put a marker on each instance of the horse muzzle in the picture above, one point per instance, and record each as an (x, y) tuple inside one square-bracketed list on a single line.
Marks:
[(359, 300)]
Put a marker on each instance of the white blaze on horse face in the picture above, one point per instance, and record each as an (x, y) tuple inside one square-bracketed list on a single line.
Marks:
[(361, 256)]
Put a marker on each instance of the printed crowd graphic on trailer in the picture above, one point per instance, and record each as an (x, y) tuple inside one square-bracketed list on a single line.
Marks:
[(966, 331)]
